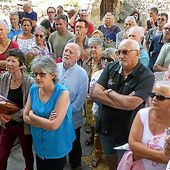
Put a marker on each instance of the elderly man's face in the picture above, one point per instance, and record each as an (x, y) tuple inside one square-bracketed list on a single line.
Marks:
[(70, 55), (134, 35), (128, 55)]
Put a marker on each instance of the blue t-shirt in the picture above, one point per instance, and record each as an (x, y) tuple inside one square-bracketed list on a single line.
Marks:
[(32, 15), (51, 144)]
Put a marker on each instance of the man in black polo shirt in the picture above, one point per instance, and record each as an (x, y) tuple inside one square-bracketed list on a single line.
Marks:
[(122, 90)]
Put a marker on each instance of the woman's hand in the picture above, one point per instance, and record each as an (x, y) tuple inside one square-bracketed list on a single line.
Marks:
[(31, 114), (53, 115), (167, 146), (5, 118)]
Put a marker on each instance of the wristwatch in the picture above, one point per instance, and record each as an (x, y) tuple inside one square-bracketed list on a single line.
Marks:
[(109, 90)]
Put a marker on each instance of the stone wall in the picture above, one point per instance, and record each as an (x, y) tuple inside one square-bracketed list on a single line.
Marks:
[(123, 8)]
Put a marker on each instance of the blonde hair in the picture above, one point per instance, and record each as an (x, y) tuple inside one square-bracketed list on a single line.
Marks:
[(110, 53), (97, 32), (109, 14)]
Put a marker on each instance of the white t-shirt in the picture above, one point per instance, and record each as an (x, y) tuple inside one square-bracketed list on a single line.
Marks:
[(152, 141)]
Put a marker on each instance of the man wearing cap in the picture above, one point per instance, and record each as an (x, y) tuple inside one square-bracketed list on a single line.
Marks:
[(122, 90)]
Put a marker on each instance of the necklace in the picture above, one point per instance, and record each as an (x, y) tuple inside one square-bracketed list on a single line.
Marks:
[(18, 80), (4, 44)]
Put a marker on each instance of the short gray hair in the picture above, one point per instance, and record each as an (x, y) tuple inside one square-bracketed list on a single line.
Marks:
[(132, 19), (13, 13), (138, 29), (4, 22), (95, 40), (45, 64), (41, 28)]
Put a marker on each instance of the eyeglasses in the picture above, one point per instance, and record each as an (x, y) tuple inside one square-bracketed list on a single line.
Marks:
[(167, 29), (39, 35), (131, 35), (40, 74), (158, 96), (160, 19), (50, 12), (108, 59), (124, 52), (128, 24)]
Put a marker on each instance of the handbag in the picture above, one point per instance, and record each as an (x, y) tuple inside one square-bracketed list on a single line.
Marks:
[(7, 106)]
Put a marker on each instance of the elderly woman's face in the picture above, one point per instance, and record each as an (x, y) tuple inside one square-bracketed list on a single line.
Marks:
[(39, 36), (3, 31), (108, 21), (95, 50), (159, 97), (26, 26), (12, 64)]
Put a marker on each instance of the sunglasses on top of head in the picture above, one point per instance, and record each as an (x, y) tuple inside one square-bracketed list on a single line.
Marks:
[(158, 96)]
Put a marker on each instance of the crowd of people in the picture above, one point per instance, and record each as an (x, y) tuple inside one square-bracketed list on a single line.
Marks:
[(105, 74)]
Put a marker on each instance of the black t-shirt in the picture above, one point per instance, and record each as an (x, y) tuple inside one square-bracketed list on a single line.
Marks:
[(16, 96), (116, 122)]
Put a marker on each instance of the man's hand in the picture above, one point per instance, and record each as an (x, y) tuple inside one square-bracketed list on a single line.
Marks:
[(79, 37)]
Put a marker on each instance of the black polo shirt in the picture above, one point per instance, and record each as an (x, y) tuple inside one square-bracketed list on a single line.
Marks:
[(116, 122)]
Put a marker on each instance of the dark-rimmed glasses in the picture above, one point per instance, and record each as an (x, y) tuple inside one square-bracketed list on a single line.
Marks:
[(39, 35), (105, 58), (167, 29), (40, 74), (161, 19), (50, 12), (158, 96), (124, 52)]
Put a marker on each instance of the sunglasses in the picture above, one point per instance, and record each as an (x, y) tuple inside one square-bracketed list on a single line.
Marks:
[(50, 12), (167, 29), (40, 74), (158, 96), (108, 59), (124, 52), (160, 19), (39, 35)]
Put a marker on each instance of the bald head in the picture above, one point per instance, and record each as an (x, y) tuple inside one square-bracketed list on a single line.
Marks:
[(71, 54), (76, 47), (130, 44)]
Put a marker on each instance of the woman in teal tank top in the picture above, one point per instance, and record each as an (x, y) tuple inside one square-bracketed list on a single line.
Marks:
[(49, 113)]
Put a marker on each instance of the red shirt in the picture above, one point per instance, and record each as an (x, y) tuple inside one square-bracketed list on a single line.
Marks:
[(12, 44)]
